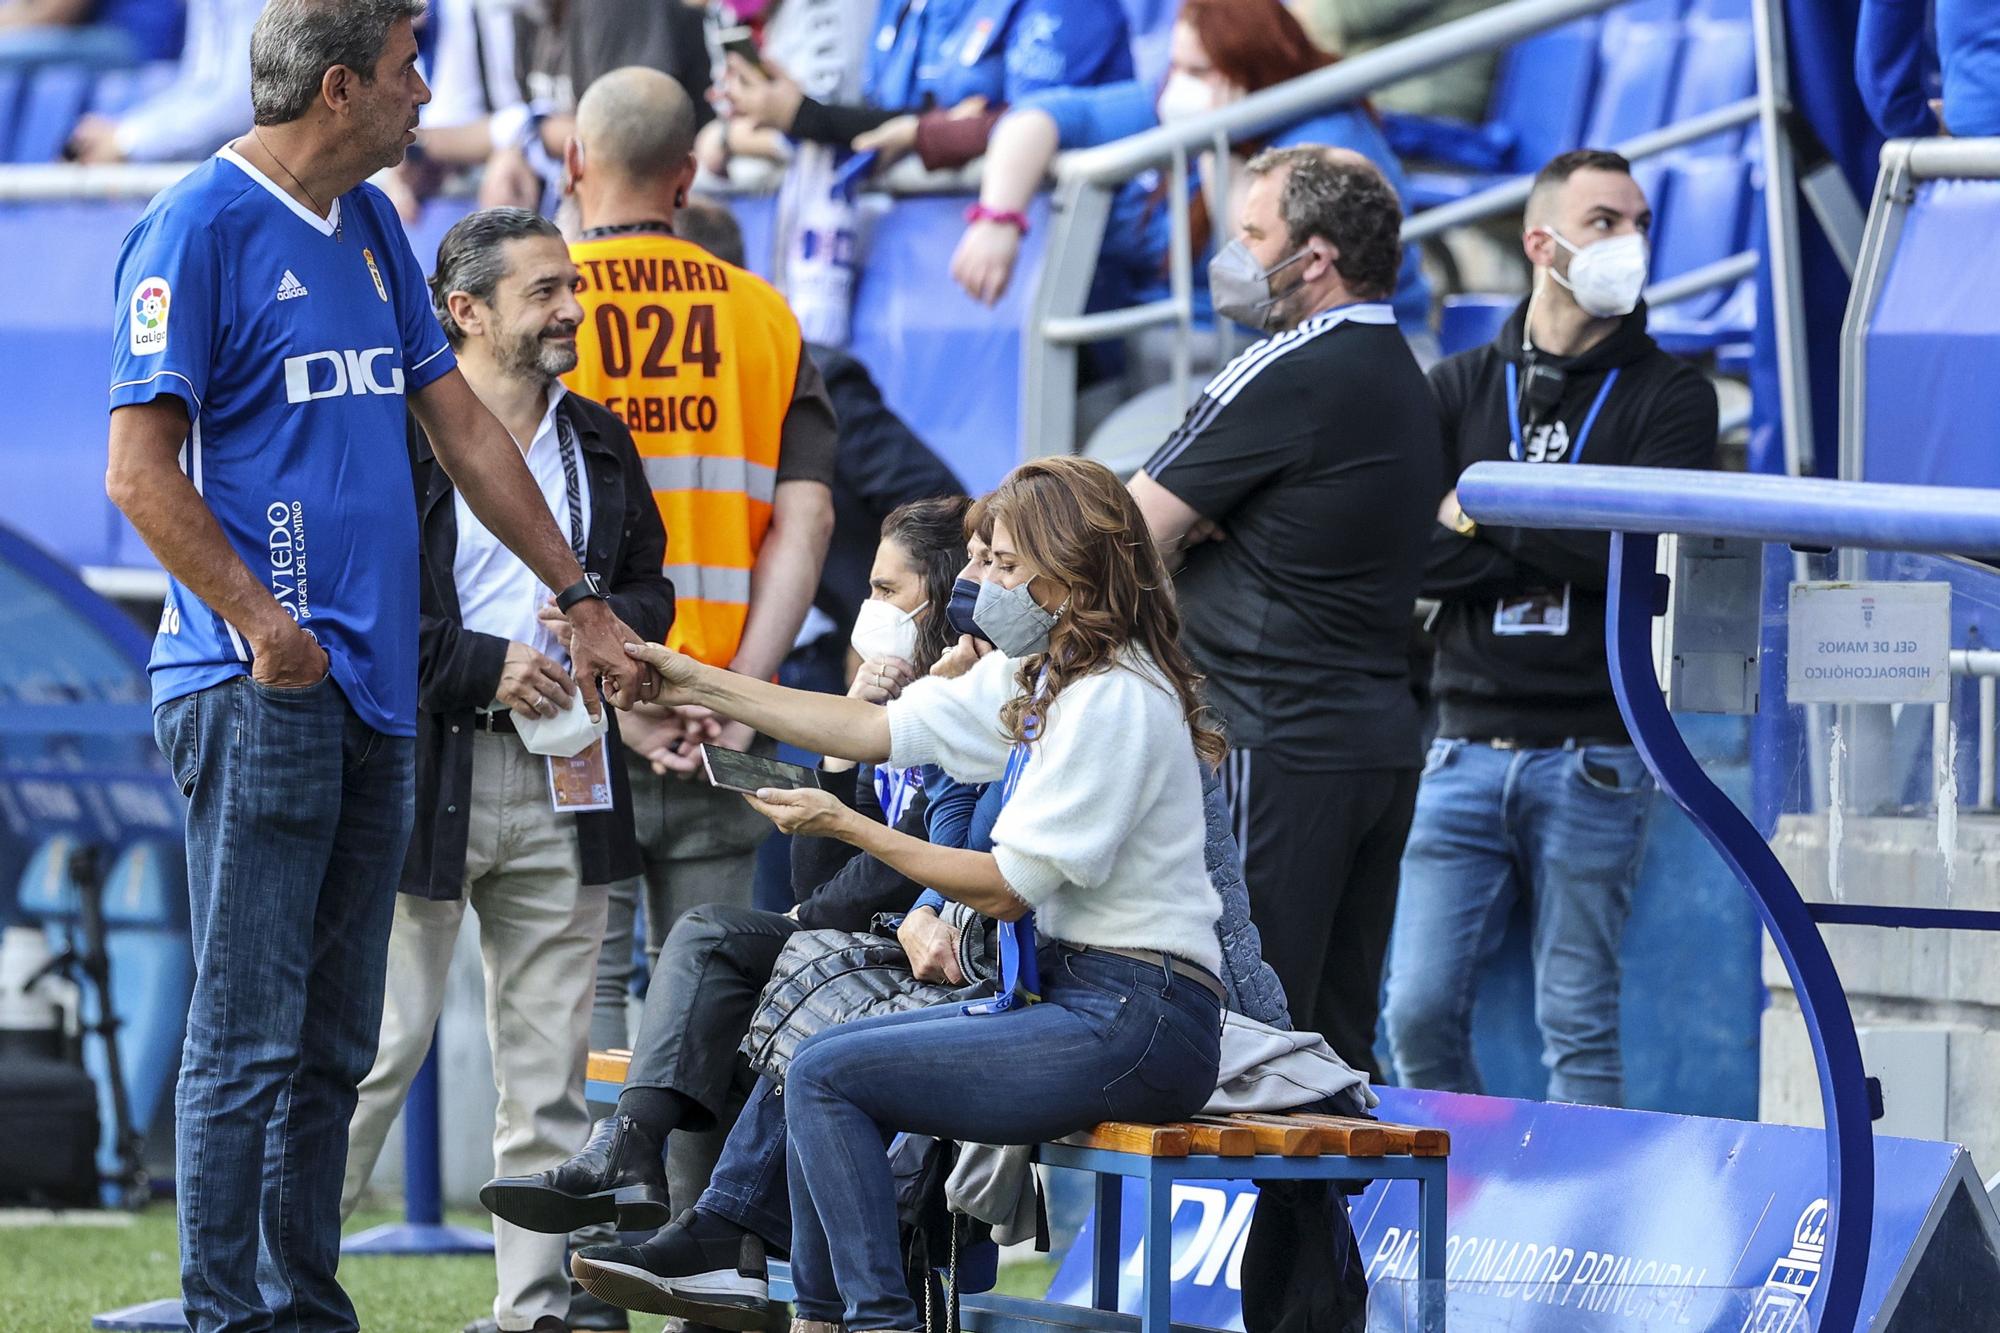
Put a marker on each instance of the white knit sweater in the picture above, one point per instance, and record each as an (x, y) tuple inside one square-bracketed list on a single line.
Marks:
[(1103, 835)]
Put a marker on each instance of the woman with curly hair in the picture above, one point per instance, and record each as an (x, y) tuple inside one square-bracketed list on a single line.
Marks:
[(1092, 715)]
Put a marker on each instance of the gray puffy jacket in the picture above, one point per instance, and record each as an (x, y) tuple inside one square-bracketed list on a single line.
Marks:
[(1254, 989)]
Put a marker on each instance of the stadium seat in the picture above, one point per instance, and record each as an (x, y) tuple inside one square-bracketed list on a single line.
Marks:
[(1711, 201), (1718, 66), (1707, 196), (152, 976), (1541, 95), (1473, 320), (1637, 61), (46, 893), (51, 104)]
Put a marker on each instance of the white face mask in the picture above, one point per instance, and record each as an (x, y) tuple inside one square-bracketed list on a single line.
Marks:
[(1606, 278), (1183, 98), (883, 629)]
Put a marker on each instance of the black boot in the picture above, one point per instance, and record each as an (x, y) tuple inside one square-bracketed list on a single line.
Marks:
[(701, 1269), (618, 1177)]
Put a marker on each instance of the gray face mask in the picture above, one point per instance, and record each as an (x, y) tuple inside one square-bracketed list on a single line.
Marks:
[(1012, 620), (1240, 287)]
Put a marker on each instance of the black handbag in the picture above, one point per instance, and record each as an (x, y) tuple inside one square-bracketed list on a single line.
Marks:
[(824, 978)]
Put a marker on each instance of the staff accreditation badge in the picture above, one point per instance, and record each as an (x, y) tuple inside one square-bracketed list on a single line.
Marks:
[(376, 274)]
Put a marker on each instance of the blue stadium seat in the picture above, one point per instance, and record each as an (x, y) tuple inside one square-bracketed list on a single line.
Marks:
[(1711, 200), (46, 893), (1473, 320), (1718, 66), (1541, 96), (1708, 197), (1637, 61), (50, 107), (152, 977)]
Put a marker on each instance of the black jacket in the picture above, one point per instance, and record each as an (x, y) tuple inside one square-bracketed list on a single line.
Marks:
[(458, 670), (1660, 413), (880, 464), (837, 886)]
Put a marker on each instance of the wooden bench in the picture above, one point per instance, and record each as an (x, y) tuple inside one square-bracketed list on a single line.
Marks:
[(1297, 1146)]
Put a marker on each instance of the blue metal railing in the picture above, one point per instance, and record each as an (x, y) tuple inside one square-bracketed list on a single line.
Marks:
[(1800, 511), (1638, 504)]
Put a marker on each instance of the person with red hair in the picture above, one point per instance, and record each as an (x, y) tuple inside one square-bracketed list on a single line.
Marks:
[(1223, 50)]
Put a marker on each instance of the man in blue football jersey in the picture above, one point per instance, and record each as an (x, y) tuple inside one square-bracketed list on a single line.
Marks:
[(272, 324)]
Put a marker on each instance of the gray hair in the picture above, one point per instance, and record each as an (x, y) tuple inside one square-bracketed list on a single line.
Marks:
[(1343, 199), (296, 42), (470, 260)]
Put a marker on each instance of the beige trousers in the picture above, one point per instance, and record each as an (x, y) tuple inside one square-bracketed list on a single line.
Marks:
[(539, 932)]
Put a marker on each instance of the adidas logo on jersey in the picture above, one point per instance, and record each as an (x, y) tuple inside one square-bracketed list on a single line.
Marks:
[(290, 288)]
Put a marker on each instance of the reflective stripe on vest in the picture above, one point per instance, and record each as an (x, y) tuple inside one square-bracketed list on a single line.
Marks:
[(709, 583), (713, 474)]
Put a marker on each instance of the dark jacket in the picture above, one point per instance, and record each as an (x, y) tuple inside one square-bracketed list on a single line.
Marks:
[(1660, 413), (458, 671), (880, 464)]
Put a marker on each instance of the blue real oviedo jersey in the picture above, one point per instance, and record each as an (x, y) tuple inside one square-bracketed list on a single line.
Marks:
[(294, 341)]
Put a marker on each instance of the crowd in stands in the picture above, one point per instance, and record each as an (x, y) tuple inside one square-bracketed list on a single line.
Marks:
[(1128, 781)]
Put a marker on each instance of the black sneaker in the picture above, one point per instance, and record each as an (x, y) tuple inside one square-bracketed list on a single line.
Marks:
[(717, 1280), (618, 1177)]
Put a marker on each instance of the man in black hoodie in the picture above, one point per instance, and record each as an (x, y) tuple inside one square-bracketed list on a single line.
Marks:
[(1532, 789)]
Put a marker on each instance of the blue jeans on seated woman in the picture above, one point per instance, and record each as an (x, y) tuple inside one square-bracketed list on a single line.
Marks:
[(1114, 1038)]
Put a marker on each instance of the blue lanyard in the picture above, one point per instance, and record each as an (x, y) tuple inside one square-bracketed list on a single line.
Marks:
[(1020, 975), (893, 789), (1514, 414)]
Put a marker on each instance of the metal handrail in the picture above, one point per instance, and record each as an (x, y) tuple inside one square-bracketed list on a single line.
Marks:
[(1507, 197), (1056, 324), (1347, 81), (1949, 159)]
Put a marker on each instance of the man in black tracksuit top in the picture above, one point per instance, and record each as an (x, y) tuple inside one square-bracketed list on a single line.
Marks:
[(1532, 789), (1300, 489)]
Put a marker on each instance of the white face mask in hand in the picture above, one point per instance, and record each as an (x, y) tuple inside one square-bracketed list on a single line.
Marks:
[(883, 629), (1606, 278)]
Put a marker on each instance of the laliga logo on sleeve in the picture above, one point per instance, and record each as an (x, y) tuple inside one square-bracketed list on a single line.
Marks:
[(150, 304)]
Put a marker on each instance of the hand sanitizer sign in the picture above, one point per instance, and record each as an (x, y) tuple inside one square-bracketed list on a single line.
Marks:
[(1870, 643)]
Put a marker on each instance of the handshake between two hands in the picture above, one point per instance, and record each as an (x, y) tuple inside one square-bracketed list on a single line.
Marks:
[(667, 735)]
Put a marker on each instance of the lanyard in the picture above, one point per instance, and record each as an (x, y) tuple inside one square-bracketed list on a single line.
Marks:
[(893, 788), (1514, 414), (572, 483), (1020, 976)]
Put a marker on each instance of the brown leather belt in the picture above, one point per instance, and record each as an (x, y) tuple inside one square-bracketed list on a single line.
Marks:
[(1180, 967)]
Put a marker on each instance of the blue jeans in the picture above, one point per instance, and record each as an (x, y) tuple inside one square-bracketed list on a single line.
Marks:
[(298, 816), (1563, 828), (1113, 1039), (749, 1186)]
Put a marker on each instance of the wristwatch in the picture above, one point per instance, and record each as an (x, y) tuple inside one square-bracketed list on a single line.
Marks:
[(586, 587)]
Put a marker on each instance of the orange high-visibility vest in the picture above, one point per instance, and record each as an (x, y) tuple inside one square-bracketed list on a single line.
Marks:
[(700, 359)]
